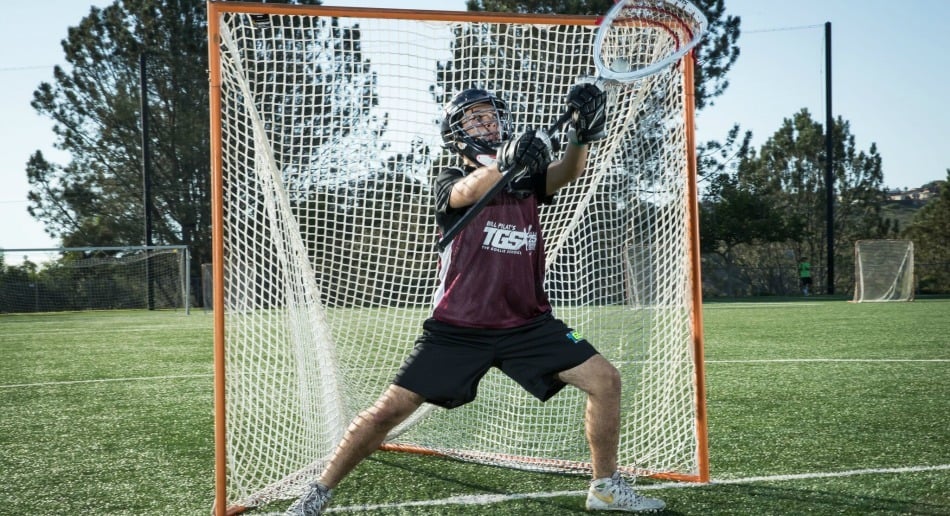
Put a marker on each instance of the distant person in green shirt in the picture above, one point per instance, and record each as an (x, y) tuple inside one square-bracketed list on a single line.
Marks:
[(804, 275)]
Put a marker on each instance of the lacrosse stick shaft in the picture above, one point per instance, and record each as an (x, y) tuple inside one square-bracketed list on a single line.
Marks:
[(480, 204)]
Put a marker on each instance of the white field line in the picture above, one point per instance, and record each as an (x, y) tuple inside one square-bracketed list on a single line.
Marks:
[(763, 361), (106, 380), (776, 304), (819, 360), (498, 498), (67, 331)]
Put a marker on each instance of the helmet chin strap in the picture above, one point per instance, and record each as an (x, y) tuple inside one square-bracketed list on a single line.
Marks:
[(476, 154), (485, 159)]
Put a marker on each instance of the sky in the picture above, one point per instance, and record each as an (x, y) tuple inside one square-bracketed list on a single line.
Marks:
[(889, 78)]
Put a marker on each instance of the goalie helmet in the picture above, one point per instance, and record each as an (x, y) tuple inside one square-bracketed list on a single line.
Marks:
[(474, 125)]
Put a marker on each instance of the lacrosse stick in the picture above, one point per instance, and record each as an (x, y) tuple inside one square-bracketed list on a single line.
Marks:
[(636, 38)]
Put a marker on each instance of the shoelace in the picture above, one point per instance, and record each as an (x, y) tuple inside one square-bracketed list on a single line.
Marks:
[(624, 492)]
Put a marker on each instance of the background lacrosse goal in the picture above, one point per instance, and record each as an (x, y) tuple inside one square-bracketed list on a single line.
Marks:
[(94, 278), (883, 270), (326, 139)]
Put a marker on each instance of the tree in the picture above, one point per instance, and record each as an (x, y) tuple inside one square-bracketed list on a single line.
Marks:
[(541, 6), (97, 199), (787, 175), (95, 104), (930, 231), (739, 226), (716, 53)]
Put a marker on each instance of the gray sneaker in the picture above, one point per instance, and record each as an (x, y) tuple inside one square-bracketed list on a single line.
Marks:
[(614, 494), (312, 501)]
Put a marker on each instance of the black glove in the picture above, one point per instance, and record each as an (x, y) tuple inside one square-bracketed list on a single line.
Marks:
[(526, 155), (589, 105)]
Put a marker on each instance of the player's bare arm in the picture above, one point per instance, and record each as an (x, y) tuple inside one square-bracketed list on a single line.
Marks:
[(470, 188), (473, 186), (568, 168)]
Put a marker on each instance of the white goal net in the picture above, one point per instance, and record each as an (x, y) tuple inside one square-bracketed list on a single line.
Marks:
[(883, 270), (326, 124)]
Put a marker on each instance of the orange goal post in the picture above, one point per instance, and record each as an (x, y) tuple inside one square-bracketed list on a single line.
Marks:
[(325, 142)]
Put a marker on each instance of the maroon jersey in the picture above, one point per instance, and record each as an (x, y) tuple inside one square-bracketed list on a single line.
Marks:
[(492, 273)]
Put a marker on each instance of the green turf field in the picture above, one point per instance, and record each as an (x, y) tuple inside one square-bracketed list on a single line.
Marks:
[(815, 406)]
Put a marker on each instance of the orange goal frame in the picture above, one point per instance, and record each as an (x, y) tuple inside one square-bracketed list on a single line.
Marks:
[(216, 8)]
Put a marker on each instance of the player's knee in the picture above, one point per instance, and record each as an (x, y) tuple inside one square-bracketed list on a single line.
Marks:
[(605, 378), (391, 409), (382, 416), (610, 378)]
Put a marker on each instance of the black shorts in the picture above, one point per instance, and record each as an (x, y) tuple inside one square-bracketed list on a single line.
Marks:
[(806, 281), (448, 361)]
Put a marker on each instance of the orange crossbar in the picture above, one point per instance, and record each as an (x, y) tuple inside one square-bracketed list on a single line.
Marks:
[(215, 8)]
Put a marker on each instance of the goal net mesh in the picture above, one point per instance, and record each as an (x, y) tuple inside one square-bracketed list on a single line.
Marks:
[(329, 146), (883, 270), (56, 280)]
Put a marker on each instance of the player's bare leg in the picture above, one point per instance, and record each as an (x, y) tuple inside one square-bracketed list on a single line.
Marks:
[(364, 435), (368, 430), (601, 381), (608, 491)]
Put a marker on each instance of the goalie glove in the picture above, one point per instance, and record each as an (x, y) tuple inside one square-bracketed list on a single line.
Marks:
[(588, 103), (528, 154), (526, 157)]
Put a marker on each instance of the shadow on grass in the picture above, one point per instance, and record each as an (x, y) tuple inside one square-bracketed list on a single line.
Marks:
[(431, 478)]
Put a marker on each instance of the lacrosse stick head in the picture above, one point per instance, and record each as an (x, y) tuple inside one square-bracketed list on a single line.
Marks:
[(636, 38)]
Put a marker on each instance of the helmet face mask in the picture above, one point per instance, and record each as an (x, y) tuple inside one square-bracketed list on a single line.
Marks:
[(475, 124)]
